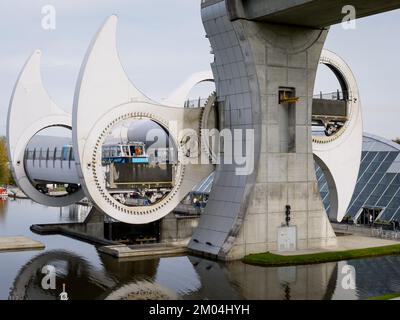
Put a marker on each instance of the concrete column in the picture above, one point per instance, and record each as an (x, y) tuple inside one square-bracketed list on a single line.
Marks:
[(94, 224), (253, 61)]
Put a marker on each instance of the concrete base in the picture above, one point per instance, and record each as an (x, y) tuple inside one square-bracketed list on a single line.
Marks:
[(19, 244), (175, 230)]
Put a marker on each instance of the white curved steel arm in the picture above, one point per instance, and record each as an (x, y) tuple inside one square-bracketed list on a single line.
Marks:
[(179, 95), (341, 157), (104, 97), (31, 110)]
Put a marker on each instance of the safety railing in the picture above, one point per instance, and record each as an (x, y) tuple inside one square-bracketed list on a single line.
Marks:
[(336, 95), (196, 103)]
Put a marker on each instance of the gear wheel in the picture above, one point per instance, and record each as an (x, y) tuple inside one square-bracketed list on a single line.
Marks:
[(209, 121)]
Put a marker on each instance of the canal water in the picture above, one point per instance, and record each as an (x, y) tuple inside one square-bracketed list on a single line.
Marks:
[(89, 274)]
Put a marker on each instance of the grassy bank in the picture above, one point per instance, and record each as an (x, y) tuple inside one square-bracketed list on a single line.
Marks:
[(274, 260), (388, 296)]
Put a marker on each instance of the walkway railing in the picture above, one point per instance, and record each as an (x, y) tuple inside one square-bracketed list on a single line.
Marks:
[(374, 231), (196, 103), (336, 95)]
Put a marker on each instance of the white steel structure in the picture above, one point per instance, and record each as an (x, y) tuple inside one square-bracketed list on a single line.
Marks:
[(104, 84), (239, 206), (31, 110), (339, 155), (104, 97)]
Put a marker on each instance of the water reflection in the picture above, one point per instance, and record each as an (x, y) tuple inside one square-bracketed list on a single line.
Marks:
[(376, 276), (3, 209), (81, 279), (77, 213), (184, 277), (313, 282), (89, 274)]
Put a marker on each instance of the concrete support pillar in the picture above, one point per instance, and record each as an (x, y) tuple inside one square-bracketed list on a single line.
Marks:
[(253, 62), (94, 224)]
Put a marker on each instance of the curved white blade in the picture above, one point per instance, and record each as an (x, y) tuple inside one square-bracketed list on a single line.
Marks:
[(179, 96)]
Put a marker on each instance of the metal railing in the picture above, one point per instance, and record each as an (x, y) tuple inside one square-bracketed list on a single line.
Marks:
[(369, 231), (336, 95), (196, 103)]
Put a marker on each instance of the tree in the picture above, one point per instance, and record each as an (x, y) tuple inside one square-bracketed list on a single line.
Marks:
[(397, 140), (5, 173)]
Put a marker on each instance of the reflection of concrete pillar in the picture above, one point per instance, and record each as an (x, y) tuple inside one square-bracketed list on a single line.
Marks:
[(216, 281), (253, 62), (346, 288), (311, 282)]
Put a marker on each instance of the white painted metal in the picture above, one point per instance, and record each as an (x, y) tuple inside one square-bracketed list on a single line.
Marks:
[(30, 111), (51, 171), (104, 97), (340, 156), (179, 96)]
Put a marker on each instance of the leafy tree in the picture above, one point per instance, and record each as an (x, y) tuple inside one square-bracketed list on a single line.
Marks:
[(5, 173), (397, 140)]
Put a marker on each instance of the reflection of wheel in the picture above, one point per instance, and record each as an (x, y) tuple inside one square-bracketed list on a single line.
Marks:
[(71, 269), (142, 290)]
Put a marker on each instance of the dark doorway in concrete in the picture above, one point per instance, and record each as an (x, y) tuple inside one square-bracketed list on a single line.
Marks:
[(132, 234)]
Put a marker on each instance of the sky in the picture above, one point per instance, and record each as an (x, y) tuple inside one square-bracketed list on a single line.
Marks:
[(161, 43)]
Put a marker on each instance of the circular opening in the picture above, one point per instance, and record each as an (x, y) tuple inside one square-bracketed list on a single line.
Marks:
[(50, 163), (330, 110), (199, 94), (139, 162)]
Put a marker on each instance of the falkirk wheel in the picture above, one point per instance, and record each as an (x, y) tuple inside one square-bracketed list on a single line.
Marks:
[(109, 155)]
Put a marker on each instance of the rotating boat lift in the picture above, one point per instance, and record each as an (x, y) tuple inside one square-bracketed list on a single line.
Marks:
[(104, 97)]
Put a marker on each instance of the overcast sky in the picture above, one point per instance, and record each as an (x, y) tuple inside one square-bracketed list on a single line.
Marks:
[(163, 42)]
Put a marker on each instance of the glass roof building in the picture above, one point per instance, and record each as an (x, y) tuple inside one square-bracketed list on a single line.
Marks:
[(377, 190), (378, 185)]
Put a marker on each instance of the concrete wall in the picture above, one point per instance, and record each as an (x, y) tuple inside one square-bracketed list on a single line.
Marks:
[(252, 61), (178, 228)]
